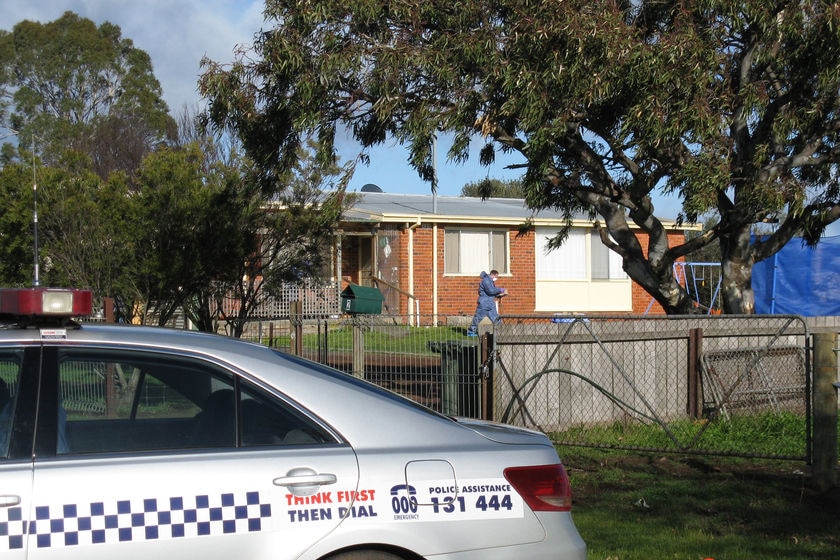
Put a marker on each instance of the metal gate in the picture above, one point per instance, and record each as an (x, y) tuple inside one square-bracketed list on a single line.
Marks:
[(689, 384)]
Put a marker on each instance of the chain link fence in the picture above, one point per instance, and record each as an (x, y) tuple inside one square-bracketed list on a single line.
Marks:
[(437, 366), (706, 384), (716, 385)]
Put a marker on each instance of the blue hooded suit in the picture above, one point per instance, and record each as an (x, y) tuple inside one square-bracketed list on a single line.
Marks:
[(486, 307)]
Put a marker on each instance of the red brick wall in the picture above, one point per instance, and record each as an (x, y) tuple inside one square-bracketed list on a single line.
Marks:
[(457, 294), (642, 299)]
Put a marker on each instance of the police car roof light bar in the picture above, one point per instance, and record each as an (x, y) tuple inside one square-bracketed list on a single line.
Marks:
[(46, 302)]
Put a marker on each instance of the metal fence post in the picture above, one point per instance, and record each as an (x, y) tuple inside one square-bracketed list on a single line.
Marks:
[(358, 349), (486, 369), (825, 411), (296, 317)]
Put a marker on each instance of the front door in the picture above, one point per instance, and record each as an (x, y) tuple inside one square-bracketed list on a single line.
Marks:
[(18, 388), (171, 457)]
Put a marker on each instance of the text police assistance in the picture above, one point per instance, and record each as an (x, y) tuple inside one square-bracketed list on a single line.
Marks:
[(470, 489)]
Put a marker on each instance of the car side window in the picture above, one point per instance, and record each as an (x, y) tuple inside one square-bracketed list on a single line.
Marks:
[(123, 401), (139, 401), (267, 421), (10, 367)]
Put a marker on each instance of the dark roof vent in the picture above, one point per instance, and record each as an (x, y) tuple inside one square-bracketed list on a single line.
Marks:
[(370, 187)]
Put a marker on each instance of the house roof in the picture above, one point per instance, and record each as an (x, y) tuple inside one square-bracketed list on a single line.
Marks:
[(380, 207)]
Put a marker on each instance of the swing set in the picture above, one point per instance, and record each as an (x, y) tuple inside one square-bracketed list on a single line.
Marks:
[(702, 282)]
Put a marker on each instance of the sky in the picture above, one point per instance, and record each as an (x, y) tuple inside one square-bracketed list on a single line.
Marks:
[(177, 34)]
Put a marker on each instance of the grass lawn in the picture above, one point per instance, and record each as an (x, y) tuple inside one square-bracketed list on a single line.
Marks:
[(656, 507)]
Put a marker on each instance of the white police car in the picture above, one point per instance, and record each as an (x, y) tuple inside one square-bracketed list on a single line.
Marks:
[(129, 442)]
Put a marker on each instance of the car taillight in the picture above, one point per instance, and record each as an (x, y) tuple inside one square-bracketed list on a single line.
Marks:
[(543, 487)]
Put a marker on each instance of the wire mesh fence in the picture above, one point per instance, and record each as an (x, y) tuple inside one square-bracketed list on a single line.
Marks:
[(437, 366), (706, 384), (694, 384), (702, 384)]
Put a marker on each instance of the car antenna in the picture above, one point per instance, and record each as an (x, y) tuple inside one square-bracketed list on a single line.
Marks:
[(36, 281)]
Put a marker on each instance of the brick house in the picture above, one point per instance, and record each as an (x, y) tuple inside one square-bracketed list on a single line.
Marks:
[(425, 254)]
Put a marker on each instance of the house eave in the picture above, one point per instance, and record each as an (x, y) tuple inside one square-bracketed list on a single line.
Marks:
[(414, 220)]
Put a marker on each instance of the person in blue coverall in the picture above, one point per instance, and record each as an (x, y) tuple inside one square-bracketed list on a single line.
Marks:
[(486, 307)]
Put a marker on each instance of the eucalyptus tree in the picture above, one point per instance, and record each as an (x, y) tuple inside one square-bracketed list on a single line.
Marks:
[(730, 106), (493, 188), (16, 232), (291, 228), (183, 238), (276, 227), (72, 85), (86, 232)]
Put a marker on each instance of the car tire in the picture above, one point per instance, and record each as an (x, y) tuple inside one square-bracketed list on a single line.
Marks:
[(366, 555)]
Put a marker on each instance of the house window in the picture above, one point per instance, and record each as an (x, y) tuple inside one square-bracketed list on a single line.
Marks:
[(606, 264), (471, 251), (567, 262), (581, 257)]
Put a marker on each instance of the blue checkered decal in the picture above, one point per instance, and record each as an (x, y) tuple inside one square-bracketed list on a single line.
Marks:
[(134, 520), (11, 529)]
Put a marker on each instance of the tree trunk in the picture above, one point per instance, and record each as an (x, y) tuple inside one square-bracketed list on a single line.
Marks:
[(653, 271), (203, 311), (736, 272), (662, 286)]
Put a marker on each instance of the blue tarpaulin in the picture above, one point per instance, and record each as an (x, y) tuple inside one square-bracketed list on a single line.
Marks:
[(799, 280)]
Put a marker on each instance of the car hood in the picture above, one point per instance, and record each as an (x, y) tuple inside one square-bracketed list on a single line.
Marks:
[(504, 433)]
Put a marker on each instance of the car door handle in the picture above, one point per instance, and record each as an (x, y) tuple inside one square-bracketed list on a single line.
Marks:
[(318, 479), (9, 500), (305, 479)]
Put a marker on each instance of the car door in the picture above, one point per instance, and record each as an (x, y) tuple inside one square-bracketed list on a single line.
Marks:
[(168, 456), (18, 388)]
